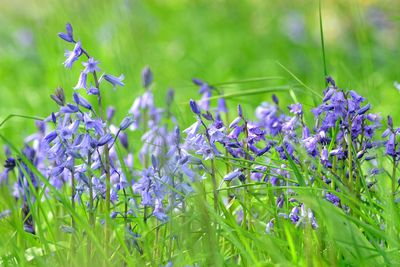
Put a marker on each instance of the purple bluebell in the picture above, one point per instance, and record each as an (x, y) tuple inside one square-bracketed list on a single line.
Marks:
[(296, 109), (332, 198), (69, 108), (68, 36), (147, 77), (107, 138), (59, 96), (275, 99), (294, 215), (72, 56), (324, 158), (391, 145), (91, 65), (222, 105), (330, 81), (280, 201), (232, 175), (10, 163), (123, 138), (194, 107), (364, 109), (125, 123), (115, 81), (240, 111), (92, 90), (270, 226), (82, 81), (79, 100)]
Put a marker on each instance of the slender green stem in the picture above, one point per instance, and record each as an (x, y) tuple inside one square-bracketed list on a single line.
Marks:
[(91, 208), (394, 180), (72, 216), (247, 199), (350, 155), (213, 177), (108, 189), (72, 197), (215, 185)]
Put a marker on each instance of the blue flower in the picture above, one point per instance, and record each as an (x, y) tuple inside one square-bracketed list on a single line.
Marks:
[(114, 80), (69, 35), (91, 65), (73, 55), (82, 81), (296, 109), (147, 77)]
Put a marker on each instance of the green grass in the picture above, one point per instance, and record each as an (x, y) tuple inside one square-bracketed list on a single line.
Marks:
[(219, 42), (222, 41)]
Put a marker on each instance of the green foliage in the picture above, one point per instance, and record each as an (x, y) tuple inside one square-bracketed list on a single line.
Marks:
[(219, 41)]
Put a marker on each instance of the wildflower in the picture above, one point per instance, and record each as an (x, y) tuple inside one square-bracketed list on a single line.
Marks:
[(391, 145), (114, 80), (69, 108), (270, 226), (59, 96), (232, 175), (240, 111), (194, 107), (147, 77), (275, 99), (110, 113), (82, 81), (79, 100), (280, 201), (222, 105), (296, 109), (91, 65), (126, 122), (10, 163), (332, 198), (68, 36), (294, 215), (73, 55), (104, 139), (92, 91)]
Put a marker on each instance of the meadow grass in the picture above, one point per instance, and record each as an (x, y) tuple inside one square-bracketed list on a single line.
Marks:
[(206, 234)]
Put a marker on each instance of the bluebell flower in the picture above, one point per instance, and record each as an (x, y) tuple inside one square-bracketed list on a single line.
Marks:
[(222, 105), (232, 175), (147, 77), (332, 198), (270, 226), (82, 81), (194, 107), (159, 212), (91, 65), (92, 90), (69, 108), (296, 109), (73, 55), (59, 96), (68, 36), (79, 100), (115, 81), (294, 215), (391, 145), (280, 201), (107, 138), (126, 122)]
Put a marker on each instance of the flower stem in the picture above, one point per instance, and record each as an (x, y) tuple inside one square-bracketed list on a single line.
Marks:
[(394, 181), (350, 155), (215, 186)]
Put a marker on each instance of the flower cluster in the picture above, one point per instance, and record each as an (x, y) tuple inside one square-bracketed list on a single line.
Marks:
[(79, 146)]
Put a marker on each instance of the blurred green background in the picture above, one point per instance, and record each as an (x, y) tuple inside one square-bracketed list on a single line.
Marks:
[(216, 41)]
